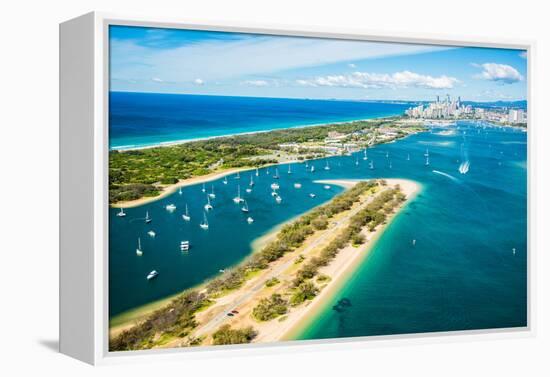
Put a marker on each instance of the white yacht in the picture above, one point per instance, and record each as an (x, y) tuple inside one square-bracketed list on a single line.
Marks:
[(238, 198), (204, 224), (212, 195), (326, 187), (238, 176), (297, 185), (248, 190), (151, 233), (208, 206), (249, 220), (171, 207), (274, 193), (186, 216), (184, 245), (139, 252), (121, 213), (153, 274), (274, 186), (312, 195), (278, 199), (147, 218)]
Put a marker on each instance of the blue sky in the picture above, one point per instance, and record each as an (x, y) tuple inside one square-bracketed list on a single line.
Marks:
[(219, 63)]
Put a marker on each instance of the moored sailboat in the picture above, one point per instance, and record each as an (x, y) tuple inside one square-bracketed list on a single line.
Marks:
[(186, 216)]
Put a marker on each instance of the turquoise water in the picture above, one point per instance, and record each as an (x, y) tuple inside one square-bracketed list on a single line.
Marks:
[(462, 273)]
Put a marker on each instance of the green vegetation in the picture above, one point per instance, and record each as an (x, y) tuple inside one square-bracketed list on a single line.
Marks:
[(305, 291), (175, 320), (141, 173), (270, 308), (272, 282), (227, 335)]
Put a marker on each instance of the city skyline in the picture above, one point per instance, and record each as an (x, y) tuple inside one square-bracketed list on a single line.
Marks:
[(217, 63)]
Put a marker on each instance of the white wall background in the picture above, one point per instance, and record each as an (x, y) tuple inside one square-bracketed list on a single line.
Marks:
[(29, 188)]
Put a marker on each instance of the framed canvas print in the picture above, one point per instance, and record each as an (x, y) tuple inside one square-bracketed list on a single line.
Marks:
[(227, 187)]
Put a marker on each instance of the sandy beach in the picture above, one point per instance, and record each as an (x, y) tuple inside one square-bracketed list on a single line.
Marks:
[(244, 299)]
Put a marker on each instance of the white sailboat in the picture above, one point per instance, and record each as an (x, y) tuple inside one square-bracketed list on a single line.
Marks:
[(251, 181), (365, 157), (289, 169), (151, 233), (238, 176), (427, 161), (387, 154), (121, 213), (238, 198), (257, 172), (327, 167), (248, 190), (212, 195), (312, 195), (371, 166), (278, 199), (153, 274), (408, 157), (225, 180), (245, 207), (147, 218), (357, 162), (276, 176), (427, 154), (390, 164), (312, 168), (180, 192), (307, 164), (186, 216), (203, 188), (249, 220), (274, 186), (208, 206), (139, 252), (204, 224)]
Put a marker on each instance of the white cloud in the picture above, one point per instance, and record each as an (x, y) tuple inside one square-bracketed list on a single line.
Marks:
[(256, 83), (523, 54), (156, 79), (217, 60), (366, 80), (501, 73), (351, 65), (198, 82)]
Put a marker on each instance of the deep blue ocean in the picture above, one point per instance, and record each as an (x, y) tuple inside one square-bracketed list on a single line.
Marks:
[(144, 119), (467, 270)]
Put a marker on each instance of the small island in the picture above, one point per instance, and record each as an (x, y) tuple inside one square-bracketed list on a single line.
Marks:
[(271, 293)]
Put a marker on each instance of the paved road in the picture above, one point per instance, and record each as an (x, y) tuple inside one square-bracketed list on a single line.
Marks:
[(249, 293)]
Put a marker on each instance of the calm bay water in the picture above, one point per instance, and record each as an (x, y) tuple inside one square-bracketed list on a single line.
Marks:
[(462, 273), (143, 119)]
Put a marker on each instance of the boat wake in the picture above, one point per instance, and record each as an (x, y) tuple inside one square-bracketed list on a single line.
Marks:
[(445, 175), (464, 167)]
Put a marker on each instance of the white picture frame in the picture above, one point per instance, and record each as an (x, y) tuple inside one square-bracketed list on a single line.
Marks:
[(84, 197)]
